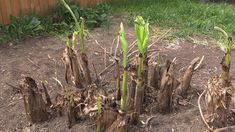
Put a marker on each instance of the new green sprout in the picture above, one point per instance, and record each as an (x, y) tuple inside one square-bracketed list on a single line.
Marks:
[(124, 64)]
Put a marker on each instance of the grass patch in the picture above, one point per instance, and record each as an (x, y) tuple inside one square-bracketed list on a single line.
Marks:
[(186, 16)]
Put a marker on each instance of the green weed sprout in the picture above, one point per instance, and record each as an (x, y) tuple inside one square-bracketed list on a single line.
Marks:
[(227, 44), (142, 32), (71, 12), (82, 35), (79, 26), (99, 114), (124, 64)]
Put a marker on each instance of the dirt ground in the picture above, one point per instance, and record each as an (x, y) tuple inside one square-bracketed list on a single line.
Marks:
[(41, 58)]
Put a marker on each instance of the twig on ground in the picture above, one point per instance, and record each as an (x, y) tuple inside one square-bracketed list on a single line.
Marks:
[(111, 48), (14, 87), (33, 63), (99, 45), (136, 51), (132, 46), (115, 54), (58, 81), (105, 58), (106, 52), (109, 66), (144, 124), (96, 75), (161, 37), (48, 98), (228, 128)]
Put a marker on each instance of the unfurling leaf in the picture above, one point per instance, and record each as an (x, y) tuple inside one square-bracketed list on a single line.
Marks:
[(142, 32), (124, 45)]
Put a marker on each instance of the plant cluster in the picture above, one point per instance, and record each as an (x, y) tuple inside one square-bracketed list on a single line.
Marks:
[(17, 29), (94, 16), (59, 22)]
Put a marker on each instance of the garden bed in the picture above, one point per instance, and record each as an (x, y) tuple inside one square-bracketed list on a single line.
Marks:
[(41, 58)]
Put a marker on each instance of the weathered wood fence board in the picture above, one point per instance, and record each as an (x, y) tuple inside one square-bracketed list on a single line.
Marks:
[(22, 7)]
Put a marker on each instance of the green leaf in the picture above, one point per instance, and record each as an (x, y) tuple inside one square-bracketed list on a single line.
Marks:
[(82, 35), (142, 33), (124, 45)]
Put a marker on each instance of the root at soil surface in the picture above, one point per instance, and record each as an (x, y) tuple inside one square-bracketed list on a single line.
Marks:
[(48, 99), (118, 81), (73, 72), (132, 89), (217, 100), (225, 129), (168, 84), (200, 110), (185, 81), (86, 69), (155, 78), (35, 107), (226, 82), (169, 88), (119, 125)]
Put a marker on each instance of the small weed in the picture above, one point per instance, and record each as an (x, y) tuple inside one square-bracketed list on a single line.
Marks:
[(18, 29), (94, 17)]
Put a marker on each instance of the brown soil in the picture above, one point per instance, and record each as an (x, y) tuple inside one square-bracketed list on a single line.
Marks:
[(41, 58)]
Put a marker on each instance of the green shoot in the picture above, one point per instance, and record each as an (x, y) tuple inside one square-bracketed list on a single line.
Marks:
[(75, 38), (71, 100), (71, 12), (99, 114), (81, 35), (79, 25), (142, 32), (158, 59), (124, 45), (69, 43), (124, 64), (227, 44)]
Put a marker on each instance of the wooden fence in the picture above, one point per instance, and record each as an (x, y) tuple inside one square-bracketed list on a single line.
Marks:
[(22, 7)]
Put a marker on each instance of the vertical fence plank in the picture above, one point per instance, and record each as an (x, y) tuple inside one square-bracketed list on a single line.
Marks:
[(25, 7), (46, 5), (32, 6), (8, 9), (4, 11), (15, 8), (43, 5), (0, 15), (28, 3), (37, 5), (52, 2)]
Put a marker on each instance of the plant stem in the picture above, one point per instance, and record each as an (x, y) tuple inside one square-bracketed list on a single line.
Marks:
[(81, 35), (99, 114), (139, 88), (124, 90), (140, 66), (71, 12)]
